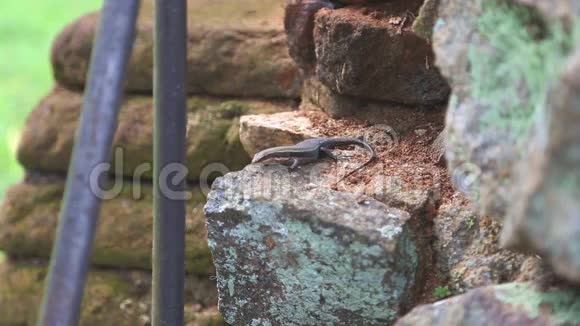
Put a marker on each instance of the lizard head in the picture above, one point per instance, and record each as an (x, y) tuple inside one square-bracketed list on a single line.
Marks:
[(274, 152), (264, 155)]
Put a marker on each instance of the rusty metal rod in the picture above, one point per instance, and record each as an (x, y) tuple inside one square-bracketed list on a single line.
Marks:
[(169, 162), (71, 253)]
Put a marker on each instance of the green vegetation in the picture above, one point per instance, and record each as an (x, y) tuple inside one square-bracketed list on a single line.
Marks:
[(524, 57), (441, 292), (27, 29), (471, 222)]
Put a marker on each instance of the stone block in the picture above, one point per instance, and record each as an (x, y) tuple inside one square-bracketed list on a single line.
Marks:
[(371, 52), (212, 133), (124, 239), (291, 251), (235, 48)]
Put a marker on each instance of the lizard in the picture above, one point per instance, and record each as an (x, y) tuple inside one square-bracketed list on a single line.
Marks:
[(313, 149)]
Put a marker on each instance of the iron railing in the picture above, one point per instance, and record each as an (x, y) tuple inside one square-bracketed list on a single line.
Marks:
[(170, 123), (71, 254)]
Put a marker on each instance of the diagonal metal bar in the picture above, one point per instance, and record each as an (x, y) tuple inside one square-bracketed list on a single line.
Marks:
[(169, 163), (79, 214)]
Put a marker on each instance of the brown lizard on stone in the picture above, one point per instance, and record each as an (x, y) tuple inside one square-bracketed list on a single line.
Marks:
[(313, 149)]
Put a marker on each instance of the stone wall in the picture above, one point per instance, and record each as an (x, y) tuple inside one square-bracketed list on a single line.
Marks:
[(237, 65), (296, 247), (512, 149), (493, 225)]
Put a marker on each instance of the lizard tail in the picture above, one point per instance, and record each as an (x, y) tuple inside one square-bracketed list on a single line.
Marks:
[(372, 158), (355, 170)]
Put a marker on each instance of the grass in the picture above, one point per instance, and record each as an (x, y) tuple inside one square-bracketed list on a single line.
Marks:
[(27, 29), (441, 292)]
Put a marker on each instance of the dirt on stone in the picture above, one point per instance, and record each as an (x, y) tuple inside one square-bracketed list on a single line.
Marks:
[(406, 157), (397, 13)]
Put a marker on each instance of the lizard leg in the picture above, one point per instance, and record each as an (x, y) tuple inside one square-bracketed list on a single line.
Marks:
[(300, 161), (294, 164), (329, 153)]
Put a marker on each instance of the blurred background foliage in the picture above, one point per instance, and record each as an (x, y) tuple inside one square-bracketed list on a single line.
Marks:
[(27, 28)]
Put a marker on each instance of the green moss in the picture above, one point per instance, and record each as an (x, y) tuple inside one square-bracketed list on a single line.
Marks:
[(22, 286), (198, 259), (470, 223), (196, 103), (564, 304), (423, 25), (233, 109), (525, 54), (30, 218)]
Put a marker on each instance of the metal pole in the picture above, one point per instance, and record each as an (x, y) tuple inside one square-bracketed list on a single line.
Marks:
[(170, 127), (78, 218)]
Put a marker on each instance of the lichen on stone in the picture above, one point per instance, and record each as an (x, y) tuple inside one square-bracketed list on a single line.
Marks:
[(307, 257), (563, 304), (426, 20), (522, 57)]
